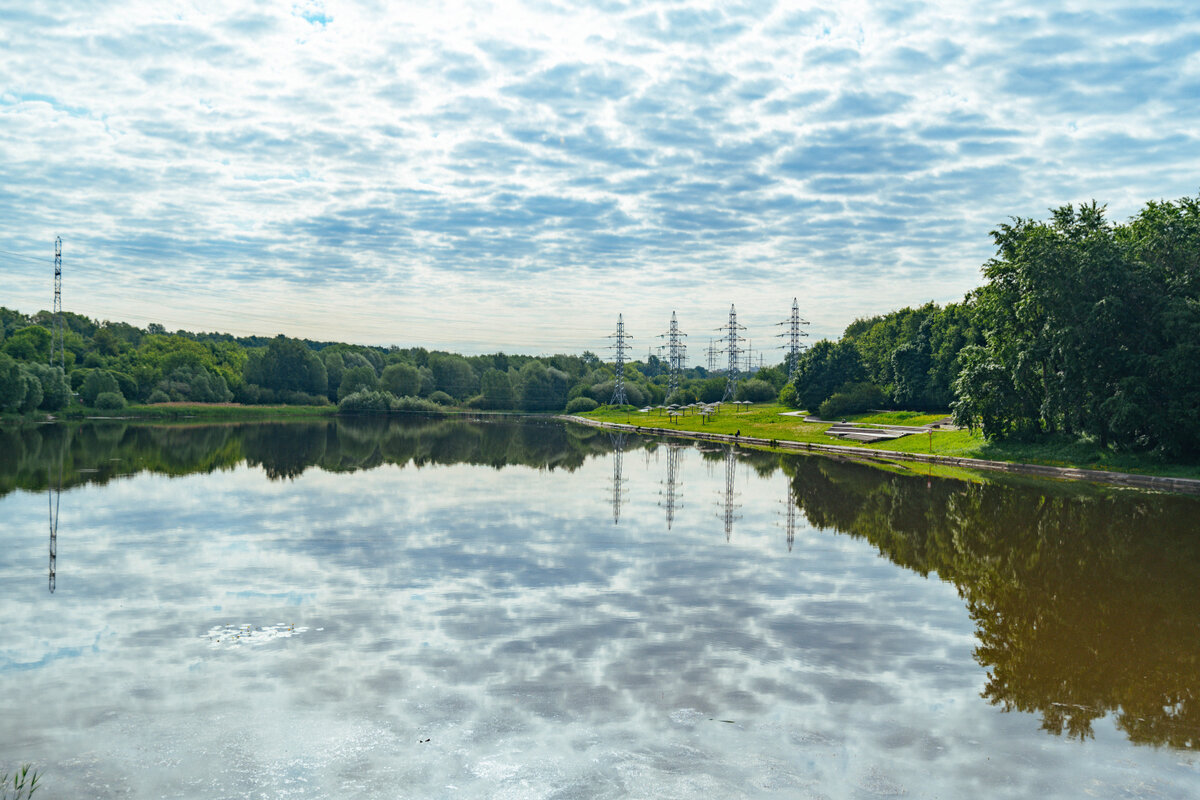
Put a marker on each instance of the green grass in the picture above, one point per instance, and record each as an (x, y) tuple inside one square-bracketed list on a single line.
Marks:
[(765, 421), (762, 421)]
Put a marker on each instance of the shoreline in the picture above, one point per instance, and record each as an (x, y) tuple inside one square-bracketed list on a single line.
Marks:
[(1126, 479)]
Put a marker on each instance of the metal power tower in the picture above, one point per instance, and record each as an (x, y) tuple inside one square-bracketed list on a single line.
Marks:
[(676, 351), (733, 350), (792, 338), (621, 345), (58, 337), (711, 352)]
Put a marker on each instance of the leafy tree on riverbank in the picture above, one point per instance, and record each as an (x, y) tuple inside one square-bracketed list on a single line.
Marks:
[(1090, 329)]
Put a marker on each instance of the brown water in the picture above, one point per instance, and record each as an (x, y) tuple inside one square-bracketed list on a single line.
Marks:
[(444, 609)]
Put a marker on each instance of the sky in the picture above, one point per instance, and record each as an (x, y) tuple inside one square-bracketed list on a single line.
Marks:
[(513, 176)]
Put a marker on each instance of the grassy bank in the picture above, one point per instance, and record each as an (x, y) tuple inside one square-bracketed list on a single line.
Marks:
[(177, 411), (766, 421)]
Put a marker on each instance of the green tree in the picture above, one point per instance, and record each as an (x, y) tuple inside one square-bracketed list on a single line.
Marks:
[(454, 376), (287, 365), (97, 382), (402, 380), (356, 379), (542, 388), (825, 368), (1090, 328), (31, 343), (497, 389), (12, 384)]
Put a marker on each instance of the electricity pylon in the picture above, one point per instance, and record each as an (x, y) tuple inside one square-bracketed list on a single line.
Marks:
[(792, 344), (621, 345), (733, 350), (676, 351)]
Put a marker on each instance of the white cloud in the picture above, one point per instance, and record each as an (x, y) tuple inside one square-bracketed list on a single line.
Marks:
[(513, 176)]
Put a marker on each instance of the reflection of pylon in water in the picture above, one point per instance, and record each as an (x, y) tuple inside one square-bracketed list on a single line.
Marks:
[(789, 505), (53, 491), (728, 505), (671, 495), (618, 482)]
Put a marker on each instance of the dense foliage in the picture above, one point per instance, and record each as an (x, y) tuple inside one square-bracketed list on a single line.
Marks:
[(1091, 328)]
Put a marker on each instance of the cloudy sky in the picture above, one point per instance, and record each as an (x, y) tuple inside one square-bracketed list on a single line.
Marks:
[(511, 176)]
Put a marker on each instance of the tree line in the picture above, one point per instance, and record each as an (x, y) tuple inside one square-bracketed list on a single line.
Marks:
[(1082, 328)]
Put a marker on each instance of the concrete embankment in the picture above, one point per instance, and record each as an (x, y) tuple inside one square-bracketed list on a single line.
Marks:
[(1154, 482)]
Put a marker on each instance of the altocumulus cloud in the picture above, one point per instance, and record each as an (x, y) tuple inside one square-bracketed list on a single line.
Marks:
[(513, 176)]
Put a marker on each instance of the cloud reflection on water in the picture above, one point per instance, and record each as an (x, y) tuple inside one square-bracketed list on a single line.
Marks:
[(499, 613)]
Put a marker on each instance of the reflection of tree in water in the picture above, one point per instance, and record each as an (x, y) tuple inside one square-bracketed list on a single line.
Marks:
[(1084, 601), (99, 452)]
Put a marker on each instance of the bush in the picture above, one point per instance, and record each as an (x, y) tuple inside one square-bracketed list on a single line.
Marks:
[(96, 383), (441, 398), (852, 398), (158, 396), (366, 400), (755, 391), (109, 401), (581, 404), (789, 397), (410, 403)]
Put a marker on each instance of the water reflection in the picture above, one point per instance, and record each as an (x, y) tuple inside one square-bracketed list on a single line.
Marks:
[(728, 504), (671, 495), (53, 494), (1083, 600), (618, 479)]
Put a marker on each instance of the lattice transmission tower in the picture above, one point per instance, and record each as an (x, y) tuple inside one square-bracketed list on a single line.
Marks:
[(676, 353), (711, 353), (620, 346), (58, 337), (733, 350), (792, 336)]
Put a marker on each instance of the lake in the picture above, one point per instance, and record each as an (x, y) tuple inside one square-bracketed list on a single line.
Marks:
[(379, 608)]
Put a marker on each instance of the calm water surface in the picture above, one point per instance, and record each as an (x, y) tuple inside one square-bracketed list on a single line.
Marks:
[(378, 609)]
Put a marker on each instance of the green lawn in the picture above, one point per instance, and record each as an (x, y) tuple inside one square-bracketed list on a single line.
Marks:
[(766, 422)]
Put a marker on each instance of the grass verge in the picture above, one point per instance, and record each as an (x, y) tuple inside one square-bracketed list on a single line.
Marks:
[(766, 421)]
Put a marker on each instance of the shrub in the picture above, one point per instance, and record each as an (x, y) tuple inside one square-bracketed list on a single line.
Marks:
[(789, 397), (158, 396), (109, 401), (755, 391), (410, 403), (581, 404), (366, 400), (441, 398), (852, 398), (96, 383)]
